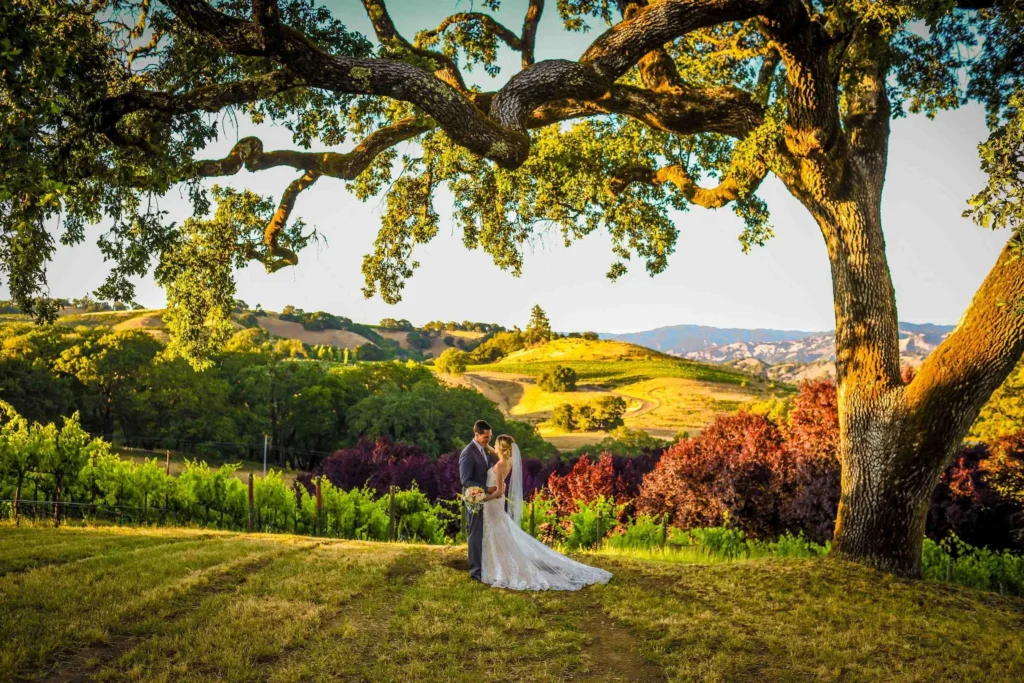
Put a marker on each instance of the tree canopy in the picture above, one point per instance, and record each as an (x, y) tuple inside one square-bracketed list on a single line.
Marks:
[(108, 105)]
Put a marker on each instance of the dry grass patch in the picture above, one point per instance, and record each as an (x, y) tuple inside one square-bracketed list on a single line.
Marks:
[(287, 329)]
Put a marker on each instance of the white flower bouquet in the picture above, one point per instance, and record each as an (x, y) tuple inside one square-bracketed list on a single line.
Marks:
[(473, 497)]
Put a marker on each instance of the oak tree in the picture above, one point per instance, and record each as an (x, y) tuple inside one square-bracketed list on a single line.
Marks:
[(108, 104)]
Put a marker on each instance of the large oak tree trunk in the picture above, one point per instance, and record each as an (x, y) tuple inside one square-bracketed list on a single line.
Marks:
[(896, 439), (886, 489), (886, 483)]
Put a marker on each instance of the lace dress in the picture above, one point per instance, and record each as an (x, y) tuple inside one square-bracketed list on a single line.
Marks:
[(514, 559)]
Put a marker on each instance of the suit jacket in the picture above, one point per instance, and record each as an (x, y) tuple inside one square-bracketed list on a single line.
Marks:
[(473, 466)]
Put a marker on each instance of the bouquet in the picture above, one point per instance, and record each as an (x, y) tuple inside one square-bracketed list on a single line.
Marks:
[(473, 497)]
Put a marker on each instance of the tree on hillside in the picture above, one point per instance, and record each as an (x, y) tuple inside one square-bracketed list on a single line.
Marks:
[(558, 378), (108, 367), (452, 362), (538, 330), (679, 103)]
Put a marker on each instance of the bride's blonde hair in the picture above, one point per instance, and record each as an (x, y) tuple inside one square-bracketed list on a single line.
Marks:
[(504, 446)]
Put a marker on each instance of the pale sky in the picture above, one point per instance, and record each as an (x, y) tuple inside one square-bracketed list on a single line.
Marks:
[(938, 259)]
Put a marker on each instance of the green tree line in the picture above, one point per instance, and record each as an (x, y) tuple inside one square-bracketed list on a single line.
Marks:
[(125, 386)]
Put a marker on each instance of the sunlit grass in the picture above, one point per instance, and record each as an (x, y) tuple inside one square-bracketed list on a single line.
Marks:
[(195, 605)]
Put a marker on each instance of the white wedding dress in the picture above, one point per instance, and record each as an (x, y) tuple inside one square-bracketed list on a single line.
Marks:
[(514, 559)]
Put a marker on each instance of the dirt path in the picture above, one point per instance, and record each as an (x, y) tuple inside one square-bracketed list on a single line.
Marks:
[(505, 392), (612, 652), (506, 389)]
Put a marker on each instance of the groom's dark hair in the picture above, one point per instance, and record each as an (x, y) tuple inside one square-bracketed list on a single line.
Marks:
[(481, 426)]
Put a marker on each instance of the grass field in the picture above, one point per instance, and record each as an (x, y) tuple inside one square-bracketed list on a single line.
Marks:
[(180, 605)]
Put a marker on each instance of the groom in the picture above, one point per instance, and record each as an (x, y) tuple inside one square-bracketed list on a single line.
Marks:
[(473, 465)]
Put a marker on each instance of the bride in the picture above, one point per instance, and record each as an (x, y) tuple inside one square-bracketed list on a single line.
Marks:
[(513, 558)]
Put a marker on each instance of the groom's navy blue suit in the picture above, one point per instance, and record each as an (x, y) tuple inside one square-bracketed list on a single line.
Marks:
[(473, 465)]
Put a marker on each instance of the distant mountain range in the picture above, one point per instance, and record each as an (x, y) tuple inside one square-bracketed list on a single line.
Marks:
[(787, 355)]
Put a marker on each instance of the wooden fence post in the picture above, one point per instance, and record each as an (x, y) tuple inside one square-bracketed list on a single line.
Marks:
[(319, 509), (167, 463), (393, 526), (664, 529), (462, 518), (251, 502), (533, 516)]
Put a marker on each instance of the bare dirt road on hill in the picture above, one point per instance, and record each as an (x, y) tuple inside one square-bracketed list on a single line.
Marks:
[(507, 389)]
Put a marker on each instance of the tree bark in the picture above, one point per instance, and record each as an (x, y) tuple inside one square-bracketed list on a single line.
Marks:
[(885, 492), (896, 439)]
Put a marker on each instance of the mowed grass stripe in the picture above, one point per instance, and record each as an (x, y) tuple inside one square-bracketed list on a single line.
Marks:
[(22, 553), (433, 624), (60, 607), (248, 633)]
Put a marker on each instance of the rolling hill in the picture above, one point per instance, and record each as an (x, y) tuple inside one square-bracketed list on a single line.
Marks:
[(664, 394), (151, 321)]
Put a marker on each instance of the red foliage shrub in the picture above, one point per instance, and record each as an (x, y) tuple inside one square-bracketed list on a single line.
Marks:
[(737, 465), (774, 479), (973, 499), (812, 441), (585, 482)]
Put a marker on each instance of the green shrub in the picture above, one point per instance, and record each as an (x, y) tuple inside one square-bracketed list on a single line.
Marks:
[(540, 519), (416, 519), (347, 514), (642, 532), (591, 523), (954, 561), (564, 418)]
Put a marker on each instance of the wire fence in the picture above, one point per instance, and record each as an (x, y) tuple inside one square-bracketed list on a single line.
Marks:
[(49, 510), (62, 512), (276, 456)]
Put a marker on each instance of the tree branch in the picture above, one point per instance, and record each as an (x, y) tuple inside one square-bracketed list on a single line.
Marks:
[(868, 110), (248, 152), (486, 20), (657, 70), (284, 208), (501, 136), (957, 378), (731, 188), (266, 16), (211, 98), (467, 125), (812, 128), (619, 49), (393, 41), (729, 111), (529, 35)]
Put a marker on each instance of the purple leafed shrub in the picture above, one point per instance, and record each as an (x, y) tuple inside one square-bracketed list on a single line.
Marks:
[(380, 464)]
